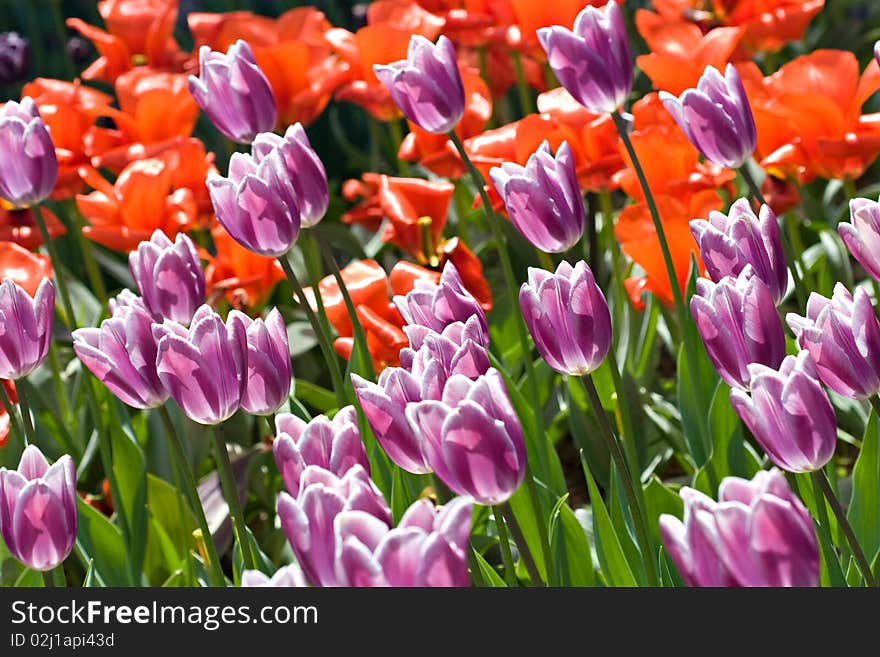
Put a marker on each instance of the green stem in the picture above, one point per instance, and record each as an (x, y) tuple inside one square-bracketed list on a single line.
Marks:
[(820, 477), (312, 257), (61, 32), (55, 365), (522, 86), (624, 406), (323, 339), (522, 545), (396, 139), (629, 490), (504, 543), (360, 337), (26, 419), (192, 492), (230, 492), (825, 539), (58, 576), (545, 260), (542, 447), (86, 247), (593, 237), (11, 412), (789, 253)]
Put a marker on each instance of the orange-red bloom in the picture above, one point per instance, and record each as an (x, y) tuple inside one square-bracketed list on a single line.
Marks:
[(680, 51), (244, 278), (19, 226), (142, 199), (138, 32), (70, 111), (292, 52), (4, 415), (436, 152), (809, 116), (24, 267), (768, 24)]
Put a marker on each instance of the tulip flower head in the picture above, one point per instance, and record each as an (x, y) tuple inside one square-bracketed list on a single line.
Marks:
[(257, 203), (30, 167), (730, 242), (593, 60), (716, 117), (862, 234), (435, 306), (543, 198), (38, 509), (286, 576), (843, 337), (757, 534), (268, 363), (334, 445), (789, 414), (205, 367), (121, 353), (25, 327), (304, 169), (427, 85), (738, 323), (234, 93), (568, 317), (169, 276)]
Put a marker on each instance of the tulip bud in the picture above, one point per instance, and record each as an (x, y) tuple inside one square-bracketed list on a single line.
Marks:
[(568, 317), (737, 320), (122, 355), (38, 509), (25, 327), (334, 445), (843, 337), (204, 368), (15, 57), (234, 93), (730, 242), (268, 363), (789, 414), (592, 61), (472, 438), (169, 276), (257, 203), (427, 85), (304, 169), (30, 167), (716, 117), (310, 519), (757, 534), (862, 236), (543, 198)]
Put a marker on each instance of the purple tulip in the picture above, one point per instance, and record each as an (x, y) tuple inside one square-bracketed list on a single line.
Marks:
[(15, 57), (268, 363), (427, 85), (25, 327), (122, 355), (568, 317), (286, 576), (126, 299), (877, 52), (862, 236), (384, 405), (730, 242), (737, 320), (428, 547), (592, 61), (257, 203), (757, 534), (309, 521), (543, 198), (472, 438), (304, 168), (437, 306), (716, 117), (38, 509), (169, 276), (789, 414), (203, 367), (843, 337), (234, 93), (30, 167), (334, 445)]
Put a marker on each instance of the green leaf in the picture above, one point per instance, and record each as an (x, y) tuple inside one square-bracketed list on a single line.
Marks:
[(315, 396), (490, 577), (170, 532), (692, 390), (658, 500), (863, 509), (130, 468), (29, 579), (611, 557), (528, 523), (571, 549), (102, 542), (89, 580)]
